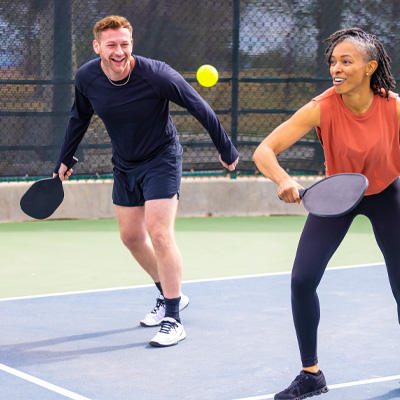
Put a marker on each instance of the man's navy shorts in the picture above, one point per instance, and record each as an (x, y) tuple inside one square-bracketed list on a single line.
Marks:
[(159, 178)]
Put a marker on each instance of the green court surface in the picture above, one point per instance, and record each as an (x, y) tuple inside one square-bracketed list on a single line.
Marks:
[(43, 257)]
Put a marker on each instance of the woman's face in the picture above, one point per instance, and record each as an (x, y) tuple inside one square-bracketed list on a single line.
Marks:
[(348, 68)]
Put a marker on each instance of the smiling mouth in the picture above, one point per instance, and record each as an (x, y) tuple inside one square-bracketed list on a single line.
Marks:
[(338, 81), (118, 61)]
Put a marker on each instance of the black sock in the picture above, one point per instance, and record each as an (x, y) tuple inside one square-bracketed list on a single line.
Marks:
[(313, 373), (158, 284), (172, 308)]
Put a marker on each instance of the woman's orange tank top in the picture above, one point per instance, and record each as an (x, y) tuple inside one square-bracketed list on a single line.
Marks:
[(367, 144)]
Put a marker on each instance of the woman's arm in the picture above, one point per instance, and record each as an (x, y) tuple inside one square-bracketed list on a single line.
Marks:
[(284, 136)]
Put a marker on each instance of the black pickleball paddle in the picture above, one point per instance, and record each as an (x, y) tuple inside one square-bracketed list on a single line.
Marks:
[(44, 196)]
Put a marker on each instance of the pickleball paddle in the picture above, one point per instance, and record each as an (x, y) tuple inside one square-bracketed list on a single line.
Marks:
[(335, 195), (44, 196)]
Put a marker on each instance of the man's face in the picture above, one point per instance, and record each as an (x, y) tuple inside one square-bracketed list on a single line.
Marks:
[(115, 49)]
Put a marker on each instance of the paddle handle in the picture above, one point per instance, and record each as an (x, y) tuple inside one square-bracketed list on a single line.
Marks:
[(301, 193), (71, 164)]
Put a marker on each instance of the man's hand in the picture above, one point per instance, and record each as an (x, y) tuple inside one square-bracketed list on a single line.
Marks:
[(63, 172), (231, 167)]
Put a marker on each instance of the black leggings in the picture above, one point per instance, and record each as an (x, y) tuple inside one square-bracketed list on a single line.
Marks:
[(320, 239)]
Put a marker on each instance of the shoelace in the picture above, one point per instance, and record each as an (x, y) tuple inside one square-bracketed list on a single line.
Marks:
[(166, 326), (160, 303)]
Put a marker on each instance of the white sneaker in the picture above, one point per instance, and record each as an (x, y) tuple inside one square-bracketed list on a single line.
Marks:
[(158, 312), (170, 334), (184, 302), (156, 315)]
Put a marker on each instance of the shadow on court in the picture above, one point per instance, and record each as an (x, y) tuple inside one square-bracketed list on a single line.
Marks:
[(32, 353), (240, 341), (393, 394)]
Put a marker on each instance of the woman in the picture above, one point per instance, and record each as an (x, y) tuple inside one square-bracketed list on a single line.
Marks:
[(357, 122)]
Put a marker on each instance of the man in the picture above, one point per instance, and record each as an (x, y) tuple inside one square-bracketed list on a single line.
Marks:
[(131, 95)]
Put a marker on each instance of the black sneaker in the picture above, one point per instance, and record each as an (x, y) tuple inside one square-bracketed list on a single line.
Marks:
[(305, 385)]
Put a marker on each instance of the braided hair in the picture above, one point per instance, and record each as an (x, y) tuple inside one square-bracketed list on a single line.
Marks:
[(373, 49)]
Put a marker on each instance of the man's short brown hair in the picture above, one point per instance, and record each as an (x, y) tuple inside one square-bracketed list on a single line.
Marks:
[(110, 22)]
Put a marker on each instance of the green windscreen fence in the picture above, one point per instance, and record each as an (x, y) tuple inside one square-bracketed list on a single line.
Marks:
[(269, 55)]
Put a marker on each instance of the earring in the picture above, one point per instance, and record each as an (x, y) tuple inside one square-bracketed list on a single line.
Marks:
[(367, 73)]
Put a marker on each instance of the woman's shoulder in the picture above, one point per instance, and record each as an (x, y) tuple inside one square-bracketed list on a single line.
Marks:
[(328, 94)]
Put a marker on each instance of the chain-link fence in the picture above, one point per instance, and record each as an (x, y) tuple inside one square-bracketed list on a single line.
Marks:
[(269, 55)]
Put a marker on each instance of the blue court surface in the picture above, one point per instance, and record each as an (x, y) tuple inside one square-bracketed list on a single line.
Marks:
[(240, 342)]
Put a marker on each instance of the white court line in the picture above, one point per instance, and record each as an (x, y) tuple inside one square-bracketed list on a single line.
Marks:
[(281, 273), (338, 386), (184, 282), (365, 382), (42, 383)]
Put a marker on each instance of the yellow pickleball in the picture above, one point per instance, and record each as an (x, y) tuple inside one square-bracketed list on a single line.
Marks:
[(207, 75)]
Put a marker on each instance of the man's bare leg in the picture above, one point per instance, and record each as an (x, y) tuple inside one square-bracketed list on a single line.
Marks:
[(135, 237)]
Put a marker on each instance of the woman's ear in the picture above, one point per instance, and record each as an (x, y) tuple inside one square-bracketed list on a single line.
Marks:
[(371, 67)]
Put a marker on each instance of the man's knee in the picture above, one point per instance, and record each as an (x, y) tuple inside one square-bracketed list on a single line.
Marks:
[(133, 239), (161, 239)]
